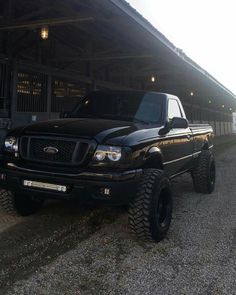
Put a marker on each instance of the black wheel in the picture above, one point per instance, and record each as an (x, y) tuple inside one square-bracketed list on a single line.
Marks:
[(18, 204), (204, 173), (150, 213)]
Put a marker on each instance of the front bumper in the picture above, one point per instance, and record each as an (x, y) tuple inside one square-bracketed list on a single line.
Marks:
[(87, 186)]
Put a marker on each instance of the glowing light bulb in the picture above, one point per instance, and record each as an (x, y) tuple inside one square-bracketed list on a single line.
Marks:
[(44, 33), (153, 79)]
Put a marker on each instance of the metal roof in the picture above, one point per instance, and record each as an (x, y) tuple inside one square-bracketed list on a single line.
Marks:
[(121, 46), (135, 15)]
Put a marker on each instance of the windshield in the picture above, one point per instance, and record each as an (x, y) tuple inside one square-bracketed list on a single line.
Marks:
[(127, 106)]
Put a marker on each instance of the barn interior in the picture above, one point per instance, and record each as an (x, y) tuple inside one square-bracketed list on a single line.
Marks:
[(54, 52)]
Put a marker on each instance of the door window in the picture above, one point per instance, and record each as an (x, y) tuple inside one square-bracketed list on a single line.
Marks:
[(173, 109)]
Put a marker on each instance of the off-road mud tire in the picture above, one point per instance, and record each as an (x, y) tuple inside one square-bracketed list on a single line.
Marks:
[(18, 204), (150, 213), (203, 174)]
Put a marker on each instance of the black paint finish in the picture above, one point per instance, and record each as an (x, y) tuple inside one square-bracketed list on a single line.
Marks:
[(142, 147)]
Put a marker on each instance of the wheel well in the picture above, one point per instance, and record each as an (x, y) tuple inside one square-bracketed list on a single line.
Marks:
[(205, 146), (154, 161)]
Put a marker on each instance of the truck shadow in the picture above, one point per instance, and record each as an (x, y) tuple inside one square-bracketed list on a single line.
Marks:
[(36, 240)]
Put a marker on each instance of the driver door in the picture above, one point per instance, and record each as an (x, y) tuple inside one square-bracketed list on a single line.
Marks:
[(178, 144)]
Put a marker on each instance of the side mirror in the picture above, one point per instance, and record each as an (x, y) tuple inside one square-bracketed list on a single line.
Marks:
[(165, 129), (65, 115), (176, 122)]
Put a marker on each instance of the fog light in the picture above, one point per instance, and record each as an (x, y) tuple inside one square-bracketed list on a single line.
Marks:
[(62, 189), (27, 183), (106, 192)]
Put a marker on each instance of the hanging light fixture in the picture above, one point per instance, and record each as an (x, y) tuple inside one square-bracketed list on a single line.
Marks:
[(44, 32), (153, 79)]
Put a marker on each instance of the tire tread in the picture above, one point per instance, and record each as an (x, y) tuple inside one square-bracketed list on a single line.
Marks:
[(199, 174), (139, 210), (7, 203)]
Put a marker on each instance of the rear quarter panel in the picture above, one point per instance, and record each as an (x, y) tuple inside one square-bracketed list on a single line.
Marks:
[(203, 136)]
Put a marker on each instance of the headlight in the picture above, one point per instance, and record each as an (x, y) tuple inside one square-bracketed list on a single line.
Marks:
[(103, 152), (11, 144)]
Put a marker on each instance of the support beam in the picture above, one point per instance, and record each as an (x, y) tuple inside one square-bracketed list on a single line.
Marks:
[(7, 36), (102, 58), (49, 22), (62, 39)]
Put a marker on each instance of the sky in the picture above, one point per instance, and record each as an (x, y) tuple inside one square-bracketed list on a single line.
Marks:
[(204, 29)]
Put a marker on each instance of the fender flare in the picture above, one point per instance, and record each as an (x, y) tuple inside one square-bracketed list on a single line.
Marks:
[(154, 158)]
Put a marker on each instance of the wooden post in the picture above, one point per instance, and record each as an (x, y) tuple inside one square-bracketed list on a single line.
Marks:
[(14, 92), (8, 16), (49, 95), (89, 68)]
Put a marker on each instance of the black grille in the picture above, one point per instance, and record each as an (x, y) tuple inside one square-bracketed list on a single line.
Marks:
[(66, 151)]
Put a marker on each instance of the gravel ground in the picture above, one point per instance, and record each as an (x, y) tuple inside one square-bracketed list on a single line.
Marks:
[(70, 250)]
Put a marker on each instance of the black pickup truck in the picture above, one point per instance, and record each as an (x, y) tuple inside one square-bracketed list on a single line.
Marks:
[(118, 147)]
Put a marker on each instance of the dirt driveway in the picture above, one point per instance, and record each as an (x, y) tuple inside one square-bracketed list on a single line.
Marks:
[(66, 249)]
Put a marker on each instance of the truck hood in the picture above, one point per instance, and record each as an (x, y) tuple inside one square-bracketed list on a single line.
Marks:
[(103, 131)]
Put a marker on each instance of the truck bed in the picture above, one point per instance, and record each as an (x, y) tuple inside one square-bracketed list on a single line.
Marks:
[(200, 127)]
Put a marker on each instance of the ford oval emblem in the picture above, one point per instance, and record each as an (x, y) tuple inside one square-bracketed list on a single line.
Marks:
[(50, 150)]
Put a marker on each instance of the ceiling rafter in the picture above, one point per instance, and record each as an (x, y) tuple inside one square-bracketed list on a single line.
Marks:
[(101, 58), (43, 22), (66, 42)]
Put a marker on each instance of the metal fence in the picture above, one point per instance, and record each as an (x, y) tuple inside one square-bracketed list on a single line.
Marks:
[(65, 94), (31, 92)]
